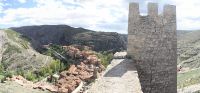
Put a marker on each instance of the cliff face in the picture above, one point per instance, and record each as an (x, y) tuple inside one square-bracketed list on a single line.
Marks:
[(66, 35)]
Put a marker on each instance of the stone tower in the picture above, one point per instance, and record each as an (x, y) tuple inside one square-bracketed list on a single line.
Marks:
[(152, 44)]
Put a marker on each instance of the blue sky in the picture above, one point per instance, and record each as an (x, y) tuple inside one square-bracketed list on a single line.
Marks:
[(99, 15)]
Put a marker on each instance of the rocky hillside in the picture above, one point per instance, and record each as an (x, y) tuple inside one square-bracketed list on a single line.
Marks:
[(188, 58), (189, 49), (17, 54), (66, 35), (19, 61)]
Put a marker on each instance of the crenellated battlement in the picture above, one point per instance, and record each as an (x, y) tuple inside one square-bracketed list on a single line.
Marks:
[(168, 10), (153, 9), (153, 18), (152, 43)]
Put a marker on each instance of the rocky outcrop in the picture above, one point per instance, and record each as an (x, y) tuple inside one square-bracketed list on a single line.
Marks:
[(66, 35)]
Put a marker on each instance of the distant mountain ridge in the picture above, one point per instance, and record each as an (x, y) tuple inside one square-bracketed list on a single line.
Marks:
[(182, 32), (66, 35)]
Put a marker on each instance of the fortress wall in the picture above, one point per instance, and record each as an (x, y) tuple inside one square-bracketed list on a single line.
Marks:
[(152, 43)]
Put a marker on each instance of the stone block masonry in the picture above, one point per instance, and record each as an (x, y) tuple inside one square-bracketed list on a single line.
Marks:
[(152, 44)]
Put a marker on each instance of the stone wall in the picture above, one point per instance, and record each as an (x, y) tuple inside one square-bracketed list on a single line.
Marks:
[(152, 43)]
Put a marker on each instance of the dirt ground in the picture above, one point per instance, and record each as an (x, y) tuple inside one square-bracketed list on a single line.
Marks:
[(13, 87)]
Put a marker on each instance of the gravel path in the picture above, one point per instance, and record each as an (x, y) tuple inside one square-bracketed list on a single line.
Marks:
[(120, 77)]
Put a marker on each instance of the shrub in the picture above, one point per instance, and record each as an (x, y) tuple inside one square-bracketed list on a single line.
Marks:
[(24, 44), (109, 57), (20, 72), (57, 48), (12, 49), (30, 76), (1, 68), (42, 71), (8, 74), (3, 79), (105, 58), (24, 41), (48, 52), (55, 66)]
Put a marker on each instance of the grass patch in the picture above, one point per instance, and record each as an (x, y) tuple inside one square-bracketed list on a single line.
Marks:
[(12, 34), (16, 37), (1, 69), (30, 76), (1, 76), (12, 49), (188, 78), (54, 67)]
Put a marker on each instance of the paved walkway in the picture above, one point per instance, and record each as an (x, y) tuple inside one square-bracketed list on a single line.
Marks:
[(120, 77)]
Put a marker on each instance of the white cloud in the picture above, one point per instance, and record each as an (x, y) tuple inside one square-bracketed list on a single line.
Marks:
[(22, 1), (93, 14), (188, 16), (1, 6), (100, 15)]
